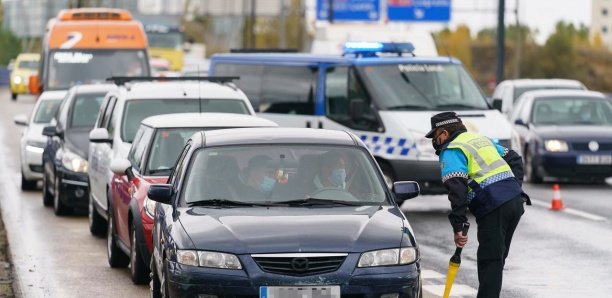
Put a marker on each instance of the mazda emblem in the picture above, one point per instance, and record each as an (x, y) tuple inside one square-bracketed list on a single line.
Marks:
[(299, 264)]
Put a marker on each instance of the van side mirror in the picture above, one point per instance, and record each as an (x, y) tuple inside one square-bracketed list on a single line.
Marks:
[(34, 84), (497, 104), (161, 193), (100, 135), (122, 166), (51, 131), (21, 120), (357, 109), (405, 190)]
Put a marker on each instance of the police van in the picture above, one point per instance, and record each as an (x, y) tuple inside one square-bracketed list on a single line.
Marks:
[(379, 91)]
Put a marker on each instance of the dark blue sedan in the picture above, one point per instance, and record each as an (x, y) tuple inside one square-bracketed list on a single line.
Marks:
[(565, 134), (281, 212)]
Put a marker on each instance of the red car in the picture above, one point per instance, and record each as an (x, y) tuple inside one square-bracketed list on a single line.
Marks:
[(156, 147)]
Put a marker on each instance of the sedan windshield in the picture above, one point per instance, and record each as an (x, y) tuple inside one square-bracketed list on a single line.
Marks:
[(138, 110), (572, 111), (72, 67), (423, 87), (288, 175)]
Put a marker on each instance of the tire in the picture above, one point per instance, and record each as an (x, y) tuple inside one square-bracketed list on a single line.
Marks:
[(154, 284), (27, 184), (97, 224), (13, 96), (531, 173), (388, 174), (116, 257), (59, 208), (138, 269), (47, 197)]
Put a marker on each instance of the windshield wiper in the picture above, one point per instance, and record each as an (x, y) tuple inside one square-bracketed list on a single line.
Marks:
[(315, 201), (408, 107), (458, 106), (223, 202)]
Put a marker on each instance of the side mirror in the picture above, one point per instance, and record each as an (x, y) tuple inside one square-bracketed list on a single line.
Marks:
[(405, 190), (520, 122), (497, 104), (100, 135), (122, 166), (51, 131), (357, 109), (34, 84), (21, 120), (161, 193)]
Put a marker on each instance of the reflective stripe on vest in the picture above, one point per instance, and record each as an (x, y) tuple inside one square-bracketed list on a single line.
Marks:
[(483, 158)]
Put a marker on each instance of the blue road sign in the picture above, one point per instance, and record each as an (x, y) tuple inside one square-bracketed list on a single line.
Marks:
[(349, 10), (419, 10)]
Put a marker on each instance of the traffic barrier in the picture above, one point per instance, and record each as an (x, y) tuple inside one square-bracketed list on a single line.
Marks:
[(557, 202)]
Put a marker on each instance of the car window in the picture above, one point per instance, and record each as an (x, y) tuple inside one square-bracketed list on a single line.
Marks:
[(274, 173), (572, 111), (179, 165), (250, 79), (108, 112), (342, 86), (85, 108), (46, 110), (141, 147), (135, 144), (288, 90), (165, 149)]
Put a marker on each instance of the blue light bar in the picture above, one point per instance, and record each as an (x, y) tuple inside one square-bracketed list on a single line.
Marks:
[(365, 48)]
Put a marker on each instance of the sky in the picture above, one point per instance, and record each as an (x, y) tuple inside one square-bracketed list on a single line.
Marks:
[(539, 14)]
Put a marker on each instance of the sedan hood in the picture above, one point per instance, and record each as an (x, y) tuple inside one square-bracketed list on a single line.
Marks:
[(286, 230), (585, 132), (77, 140)]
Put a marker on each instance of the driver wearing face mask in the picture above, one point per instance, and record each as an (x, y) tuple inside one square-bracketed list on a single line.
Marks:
[(332, 171), (257, 179)]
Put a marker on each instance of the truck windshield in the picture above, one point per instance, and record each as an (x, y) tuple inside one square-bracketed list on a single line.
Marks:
[(72, 67), (165, 40), (423, 87)]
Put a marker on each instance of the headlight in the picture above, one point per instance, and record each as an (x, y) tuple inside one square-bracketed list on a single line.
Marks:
[(388, 257), (74, 162), (17, 80), (149, 207), (209, 259), (555, 146)]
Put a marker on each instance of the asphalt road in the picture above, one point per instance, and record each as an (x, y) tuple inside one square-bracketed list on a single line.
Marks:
[(554, 254)]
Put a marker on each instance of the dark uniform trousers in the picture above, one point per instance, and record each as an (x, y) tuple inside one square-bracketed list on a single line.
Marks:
[(495, 232)]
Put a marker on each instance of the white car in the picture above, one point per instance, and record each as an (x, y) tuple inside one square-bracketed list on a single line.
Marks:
[(507, 93), (32, 142), (120, 116)]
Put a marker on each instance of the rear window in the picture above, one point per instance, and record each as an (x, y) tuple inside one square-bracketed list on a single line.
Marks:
[(138, 110), (520, 90), (46, 110), (85, 109)]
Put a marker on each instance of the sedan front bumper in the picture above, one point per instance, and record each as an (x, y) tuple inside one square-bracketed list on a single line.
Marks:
[(565, 165)]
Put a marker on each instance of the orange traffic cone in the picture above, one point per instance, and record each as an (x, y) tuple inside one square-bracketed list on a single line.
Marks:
[(557, 203)]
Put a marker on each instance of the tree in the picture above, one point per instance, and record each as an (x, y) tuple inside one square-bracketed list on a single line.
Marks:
[(457, 44), (10, 45)]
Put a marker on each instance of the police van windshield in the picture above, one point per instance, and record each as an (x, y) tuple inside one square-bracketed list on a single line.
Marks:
[(423, 87)]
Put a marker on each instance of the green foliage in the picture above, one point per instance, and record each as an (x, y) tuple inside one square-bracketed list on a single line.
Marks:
[(10, 46)]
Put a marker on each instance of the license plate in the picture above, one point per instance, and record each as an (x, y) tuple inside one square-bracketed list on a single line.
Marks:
[(595, 159), (300, 292)]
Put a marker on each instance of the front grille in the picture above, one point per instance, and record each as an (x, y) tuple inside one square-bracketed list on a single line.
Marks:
[(299, 266), (584, 146), (36, 169)]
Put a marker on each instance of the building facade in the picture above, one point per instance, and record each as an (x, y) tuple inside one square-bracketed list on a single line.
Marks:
[(601, 21)]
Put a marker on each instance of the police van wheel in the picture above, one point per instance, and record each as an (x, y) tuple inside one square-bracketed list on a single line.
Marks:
[(531, 172)]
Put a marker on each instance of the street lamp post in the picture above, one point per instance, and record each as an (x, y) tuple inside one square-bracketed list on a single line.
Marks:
[(500, 41)]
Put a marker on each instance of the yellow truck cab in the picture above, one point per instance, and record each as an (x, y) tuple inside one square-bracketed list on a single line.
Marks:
[(26, 64)]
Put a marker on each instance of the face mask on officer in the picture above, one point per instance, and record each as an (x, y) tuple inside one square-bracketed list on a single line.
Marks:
[(438, 141)]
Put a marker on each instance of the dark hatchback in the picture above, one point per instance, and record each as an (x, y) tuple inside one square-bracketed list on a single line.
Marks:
[(281, 212), (65, 181), (565, 134)]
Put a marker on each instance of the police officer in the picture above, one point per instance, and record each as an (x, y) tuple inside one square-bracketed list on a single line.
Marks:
[(486, 178)]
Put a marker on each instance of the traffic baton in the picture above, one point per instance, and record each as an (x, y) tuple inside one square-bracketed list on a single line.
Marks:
[(453, 265)]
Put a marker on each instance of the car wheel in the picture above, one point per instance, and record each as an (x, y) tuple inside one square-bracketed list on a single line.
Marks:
[(58, 206), (47, 197), (138, 269), (531, 173), (154, 284), (27, 184), (116, 257), (387, 175), (14, 96), (97, 224)]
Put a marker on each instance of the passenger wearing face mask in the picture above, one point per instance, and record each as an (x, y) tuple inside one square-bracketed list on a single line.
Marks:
[(332, 171), (257, 179)]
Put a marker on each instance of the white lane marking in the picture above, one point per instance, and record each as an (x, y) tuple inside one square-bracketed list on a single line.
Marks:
[(572, 211), (430, 274), (458, 290)]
